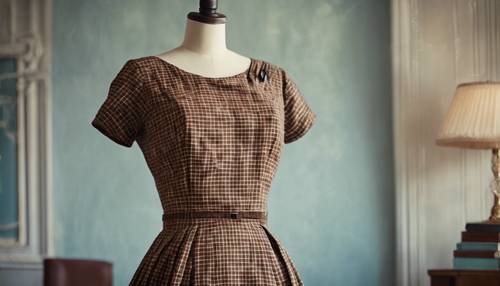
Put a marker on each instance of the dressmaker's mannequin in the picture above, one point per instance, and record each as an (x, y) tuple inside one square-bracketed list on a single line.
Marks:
[(204, 52)]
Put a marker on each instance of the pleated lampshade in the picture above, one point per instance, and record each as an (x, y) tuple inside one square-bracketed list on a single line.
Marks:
[(473, 119)]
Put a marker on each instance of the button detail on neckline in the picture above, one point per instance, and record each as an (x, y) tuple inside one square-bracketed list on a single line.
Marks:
[(263, 75)]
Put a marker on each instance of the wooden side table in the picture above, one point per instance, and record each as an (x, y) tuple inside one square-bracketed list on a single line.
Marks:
[(455, 277)]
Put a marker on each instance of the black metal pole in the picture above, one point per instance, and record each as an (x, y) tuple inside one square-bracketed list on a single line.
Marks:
[(208, 7)]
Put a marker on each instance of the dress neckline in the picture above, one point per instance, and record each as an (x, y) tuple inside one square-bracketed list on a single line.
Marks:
[(241, 74)]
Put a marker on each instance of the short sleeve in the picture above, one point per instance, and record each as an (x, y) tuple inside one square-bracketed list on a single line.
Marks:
[(299, 116), (120, 117)]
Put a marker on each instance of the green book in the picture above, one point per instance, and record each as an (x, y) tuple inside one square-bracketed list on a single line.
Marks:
[(478, 246), (476, 263)]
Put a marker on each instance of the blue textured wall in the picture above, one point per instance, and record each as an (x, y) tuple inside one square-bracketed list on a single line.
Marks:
[(331, 203)]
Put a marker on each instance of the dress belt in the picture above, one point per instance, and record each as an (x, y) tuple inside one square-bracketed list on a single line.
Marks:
[(217, 214)]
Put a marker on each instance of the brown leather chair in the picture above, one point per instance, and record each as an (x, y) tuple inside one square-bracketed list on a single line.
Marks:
[(77, 272)]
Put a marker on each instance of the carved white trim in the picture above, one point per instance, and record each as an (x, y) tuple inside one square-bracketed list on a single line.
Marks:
[(27, 39), (402, 50)]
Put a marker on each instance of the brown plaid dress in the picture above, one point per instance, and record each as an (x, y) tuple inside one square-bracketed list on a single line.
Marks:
[(211, 144)]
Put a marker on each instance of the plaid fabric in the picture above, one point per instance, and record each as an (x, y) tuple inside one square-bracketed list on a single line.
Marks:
[(212, 144)]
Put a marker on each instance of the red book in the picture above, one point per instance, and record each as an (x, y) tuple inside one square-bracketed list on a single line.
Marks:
[(476, 253), (468, 236)]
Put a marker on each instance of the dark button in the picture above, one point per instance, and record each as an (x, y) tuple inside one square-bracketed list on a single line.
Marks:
[(262, 75), (235, 215)]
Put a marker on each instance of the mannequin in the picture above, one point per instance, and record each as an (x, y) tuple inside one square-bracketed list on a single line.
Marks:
[(203, 50), (213, 147)]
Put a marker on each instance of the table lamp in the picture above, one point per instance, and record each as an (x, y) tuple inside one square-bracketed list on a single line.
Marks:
[(473, 121)]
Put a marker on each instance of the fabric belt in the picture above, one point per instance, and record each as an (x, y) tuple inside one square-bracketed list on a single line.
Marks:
[(217, 214)]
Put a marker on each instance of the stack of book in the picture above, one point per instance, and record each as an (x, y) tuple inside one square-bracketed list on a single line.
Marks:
[(479, 248)]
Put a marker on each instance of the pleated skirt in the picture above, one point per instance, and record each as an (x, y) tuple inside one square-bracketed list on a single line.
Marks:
[(216, 251)]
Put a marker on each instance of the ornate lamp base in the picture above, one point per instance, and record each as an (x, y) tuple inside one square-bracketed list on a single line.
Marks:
[(495, 189)]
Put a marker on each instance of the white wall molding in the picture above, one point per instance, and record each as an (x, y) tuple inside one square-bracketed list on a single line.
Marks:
[(25, 36), (401, 50)]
